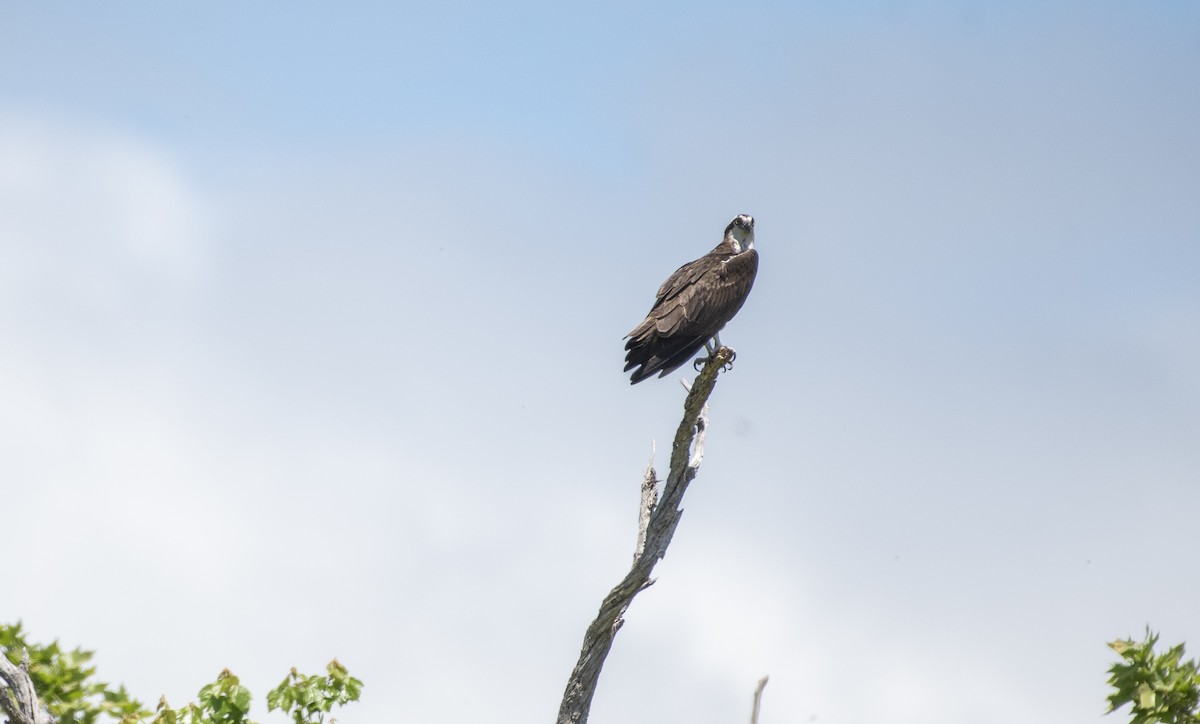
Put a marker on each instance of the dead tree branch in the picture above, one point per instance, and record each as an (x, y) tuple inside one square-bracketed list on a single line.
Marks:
[(657, 524), (17, 696), (649, 500), (758, 690)]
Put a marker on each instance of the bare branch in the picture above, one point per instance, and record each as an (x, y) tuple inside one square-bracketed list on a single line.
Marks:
[(649, 500), (654, 535), (758, 690), (17, 697)]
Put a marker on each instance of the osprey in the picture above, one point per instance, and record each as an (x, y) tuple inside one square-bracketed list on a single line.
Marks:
[(694, 304)]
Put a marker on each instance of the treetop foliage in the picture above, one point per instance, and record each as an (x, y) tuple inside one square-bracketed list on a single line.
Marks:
[(66, 686), (1159, 688)]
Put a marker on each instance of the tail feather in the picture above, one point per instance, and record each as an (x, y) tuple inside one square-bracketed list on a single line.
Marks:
[(653, 355)]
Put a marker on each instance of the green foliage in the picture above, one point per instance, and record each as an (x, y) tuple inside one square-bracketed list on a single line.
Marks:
[(309, 698), (64, 681), (1158, 688), (65, 686), (225, 701)]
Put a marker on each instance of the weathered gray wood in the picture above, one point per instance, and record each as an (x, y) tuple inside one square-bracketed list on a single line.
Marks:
[(649, 500), (657, 524), (17, 696), (758, 690)]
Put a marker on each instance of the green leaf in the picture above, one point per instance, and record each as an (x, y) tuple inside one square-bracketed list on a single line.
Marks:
[(1145, 697), (1160, 688), (1121, 645), (65, 683)]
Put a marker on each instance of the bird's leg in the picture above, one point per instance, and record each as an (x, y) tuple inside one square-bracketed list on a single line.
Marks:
[(716, 341), (712, 352), (701, 361)]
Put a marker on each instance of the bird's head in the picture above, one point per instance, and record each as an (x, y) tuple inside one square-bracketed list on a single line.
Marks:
[(740, 232)]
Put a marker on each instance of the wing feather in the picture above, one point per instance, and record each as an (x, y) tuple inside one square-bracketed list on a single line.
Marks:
[(691, 306)]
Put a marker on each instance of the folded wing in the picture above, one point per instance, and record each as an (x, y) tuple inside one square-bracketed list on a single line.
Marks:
[(691, 307)]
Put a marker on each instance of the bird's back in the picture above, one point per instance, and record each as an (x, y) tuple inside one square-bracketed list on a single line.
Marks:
[(692, 305)]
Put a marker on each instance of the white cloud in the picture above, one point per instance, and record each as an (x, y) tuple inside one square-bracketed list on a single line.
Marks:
[(99, 232), (85, 213)]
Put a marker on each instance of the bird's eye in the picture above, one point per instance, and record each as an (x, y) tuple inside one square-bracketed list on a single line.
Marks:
[(738, 221)]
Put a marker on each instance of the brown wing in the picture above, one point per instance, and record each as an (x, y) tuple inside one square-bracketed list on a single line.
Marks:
[(719, 294), (693, 305), (687, 275)]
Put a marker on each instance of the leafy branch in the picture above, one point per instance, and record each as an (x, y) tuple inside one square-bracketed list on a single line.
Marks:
[(309, 698), (63, 680), (1159, 688), (64, 684)]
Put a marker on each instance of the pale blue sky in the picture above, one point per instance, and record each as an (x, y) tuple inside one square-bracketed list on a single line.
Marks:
[(297, 286)]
